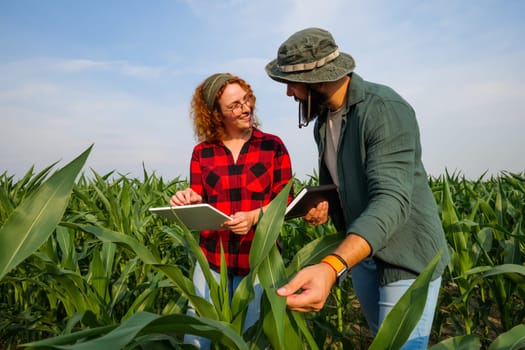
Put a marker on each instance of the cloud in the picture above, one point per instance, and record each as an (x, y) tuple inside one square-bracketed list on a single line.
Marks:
[(63, 66), (120, 67)]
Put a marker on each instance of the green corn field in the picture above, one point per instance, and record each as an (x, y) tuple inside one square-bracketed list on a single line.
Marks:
[(84, 265)]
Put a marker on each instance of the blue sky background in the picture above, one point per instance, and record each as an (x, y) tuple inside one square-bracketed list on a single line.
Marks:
[(120, 75)]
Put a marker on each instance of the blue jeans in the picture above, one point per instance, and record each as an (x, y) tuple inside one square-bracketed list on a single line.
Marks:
[(202, 289), (376, 302)]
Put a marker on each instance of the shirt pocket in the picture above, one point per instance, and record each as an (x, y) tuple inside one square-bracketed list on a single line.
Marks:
[(212, 182), (259, 180)]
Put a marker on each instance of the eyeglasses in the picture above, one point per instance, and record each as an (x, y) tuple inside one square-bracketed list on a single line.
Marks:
[(237, 107)]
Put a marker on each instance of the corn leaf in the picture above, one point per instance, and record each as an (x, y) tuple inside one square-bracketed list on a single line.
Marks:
[(191, 243), (269, 266), (510, 340), (67, 246), (271, 273), (314, 251), (402, 319), (497, 270), (464, 342), (186, 288), (223, 303), (33, 221), (120, 287), (241, 299), (108, 235), (269, 227), (97, 275), (145, 323)]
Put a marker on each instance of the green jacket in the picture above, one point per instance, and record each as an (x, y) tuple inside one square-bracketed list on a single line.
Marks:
[(383, 186)]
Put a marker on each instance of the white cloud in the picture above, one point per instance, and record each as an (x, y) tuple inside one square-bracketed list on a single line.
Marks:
[(64, 66), (76, 65)]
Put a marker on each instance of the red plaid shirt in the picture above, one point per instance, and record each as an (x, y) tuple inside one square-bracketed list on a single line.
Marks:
[(262, 169)]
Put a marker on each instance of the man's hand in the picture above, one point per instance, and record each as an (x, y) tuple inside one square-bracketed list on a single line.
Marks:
[(317, 215), (309, 289)]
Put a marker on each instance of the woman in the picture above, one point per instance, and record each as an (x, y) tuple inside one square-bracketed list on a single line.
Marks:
[(236, 168)]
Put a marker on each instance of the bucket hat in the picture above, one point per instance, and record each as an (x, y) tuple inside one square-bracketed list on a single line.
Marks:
[(310, 56)]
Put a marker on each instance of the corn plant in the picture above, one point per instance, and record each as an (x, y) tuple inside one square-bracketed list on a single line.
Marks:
[(267, 264), (101, 270), (29, 225), (42, 210), (485, 235)]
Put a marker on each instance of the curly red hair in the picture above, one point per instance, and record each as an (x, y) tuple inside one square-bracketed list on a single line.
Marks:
[(208, 125)]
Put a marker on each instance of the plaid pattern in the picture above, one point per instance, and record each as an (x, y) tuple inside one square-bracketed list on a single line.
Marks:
[(263, 168)]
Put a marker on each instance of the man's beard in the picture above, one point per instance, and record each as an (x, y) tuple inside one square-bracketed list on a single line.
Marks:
[(312, 107)]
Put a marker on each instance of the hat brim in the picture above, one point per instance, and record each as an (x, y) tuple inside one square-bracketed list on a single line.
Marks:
[(343, 65)]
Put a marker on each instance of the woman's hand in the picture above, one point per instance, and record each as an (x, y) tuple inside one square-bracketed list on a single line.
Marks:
[(242, 222), (185, 197)]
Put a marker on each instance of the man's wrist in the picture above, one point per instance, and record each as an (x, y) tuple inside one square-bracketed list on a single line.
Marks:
[(325, 262), (338, 264)]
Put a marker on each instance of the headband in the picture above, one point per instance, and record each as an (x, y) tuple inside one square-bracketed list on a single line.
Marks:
[(211, 87)]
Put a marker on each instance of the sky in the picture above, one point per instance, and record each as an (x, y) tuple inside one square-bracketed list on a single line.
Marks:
[(119, 75)]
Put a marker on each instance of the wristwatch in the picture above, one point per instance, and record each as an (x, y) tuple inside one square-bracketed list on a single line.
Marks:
[(339, 265)]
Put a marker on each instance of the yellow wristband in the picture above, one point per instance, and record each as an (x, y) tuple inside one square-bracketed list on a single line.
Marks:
[(334, 263)]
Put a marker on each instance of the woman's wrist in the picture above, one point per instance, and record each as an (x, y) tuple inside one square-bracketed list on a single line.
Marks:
[(254, 216)]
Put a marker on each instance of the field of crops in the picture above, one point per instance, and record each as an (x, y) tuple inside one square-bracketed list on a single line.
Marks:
[(83, 262)]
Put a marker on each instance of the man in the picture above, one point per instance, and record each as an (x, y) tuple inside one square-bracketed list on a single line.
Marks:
[(368, 141)]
